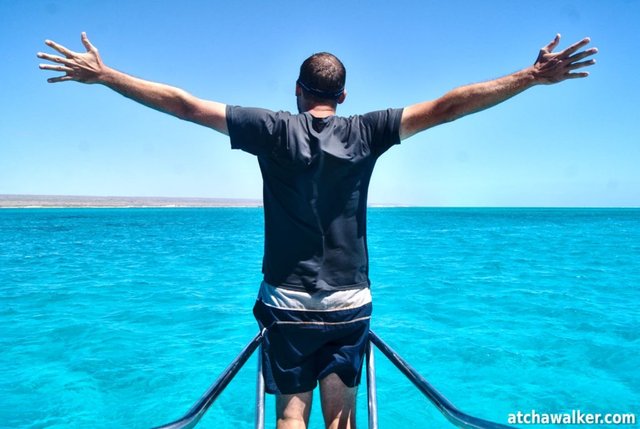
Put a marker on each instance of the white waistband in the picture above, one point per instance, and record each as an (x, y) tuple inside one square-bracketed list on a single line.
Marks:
[(319, 301)]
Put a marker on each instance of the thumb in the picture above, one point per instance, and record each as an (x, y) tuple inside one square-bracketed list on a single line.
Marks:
[(85, 41), (552, 45)]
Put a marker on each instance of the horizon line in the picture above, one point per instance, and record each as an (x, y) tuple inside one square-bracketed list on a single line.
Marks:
[(112, 201)]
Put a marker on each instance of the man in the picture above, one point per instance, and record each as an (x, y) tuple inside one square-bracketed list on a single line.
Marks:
[(315, 300)]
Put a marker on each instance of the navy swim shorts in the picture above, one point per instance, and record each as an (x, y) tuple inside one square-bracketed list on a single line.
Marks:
[(301, 347)]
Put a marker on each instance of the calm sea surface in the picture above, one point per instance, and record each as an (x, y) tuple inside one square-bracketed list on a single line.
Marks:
[(123, 317)]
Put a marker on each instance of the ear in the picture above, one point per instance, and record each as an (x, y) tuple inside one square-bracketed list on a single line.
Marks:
[(298, 90), (340, 99)]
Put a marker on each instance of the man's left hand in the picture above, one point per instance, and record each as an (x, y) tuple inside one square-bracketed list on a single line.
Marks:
[(555, 67)]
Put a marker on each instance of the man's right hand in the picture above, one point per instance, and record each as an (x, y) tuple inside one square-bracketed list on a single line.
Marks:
[(84, 67), (87, 67)]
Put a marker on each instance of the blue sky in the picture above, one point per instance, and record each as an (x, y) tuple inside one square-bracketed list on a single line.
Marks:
[(574, 144)]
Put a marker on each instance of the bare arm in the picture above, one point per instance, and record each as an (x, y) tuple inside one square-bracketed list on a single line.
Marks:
[(549, 68), (87, 67)]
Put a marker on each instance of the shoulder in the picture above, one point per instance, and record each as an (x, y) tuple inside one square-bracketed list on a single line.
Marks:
[(238, 113), (239, 117), (377, 121), (381, 129), (383, 116), (256, 130)]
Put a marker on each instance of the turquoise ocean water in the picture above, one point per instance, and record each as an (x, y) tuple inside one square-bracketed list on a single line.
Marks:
[(123, 317)]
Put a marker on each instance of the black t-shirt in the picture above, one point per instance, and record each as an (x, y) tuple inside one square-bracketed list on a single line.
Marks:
[(316, 176)]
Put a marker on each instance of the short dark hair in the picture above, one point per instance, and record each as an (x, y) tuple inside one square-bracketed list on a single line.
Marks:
[(323, 75)]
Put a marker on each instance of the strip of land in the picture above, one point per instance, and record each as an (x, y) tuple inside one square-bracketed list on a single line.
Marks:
[(77, 201)]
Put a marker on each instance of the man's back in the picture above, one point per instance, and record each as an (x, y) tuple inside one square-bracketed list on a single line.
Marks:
[(316, 174)]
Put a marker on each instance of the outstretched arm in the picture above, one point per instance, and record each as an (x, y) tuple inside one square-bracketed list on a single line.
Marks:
[(549, 68), (87, 67)]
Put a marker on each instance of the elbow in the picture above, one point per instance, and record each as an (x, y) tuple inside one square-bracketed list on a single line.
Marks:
[(446, 110), (183, 106)]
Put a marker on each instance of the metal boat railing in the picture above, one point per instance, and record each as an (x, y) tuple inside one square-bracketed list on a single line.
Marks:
[(453, 414), (193, 416)]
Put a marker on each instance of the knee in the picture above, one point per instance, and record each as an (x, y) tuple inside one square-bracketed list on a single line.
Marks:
[(338, 403), (293, 410), (345, 419), (291, 422)]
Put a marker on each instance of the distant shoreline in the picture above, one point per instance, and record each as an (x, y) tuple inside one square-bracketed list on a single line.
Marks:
[(78, 201), (19, 201)]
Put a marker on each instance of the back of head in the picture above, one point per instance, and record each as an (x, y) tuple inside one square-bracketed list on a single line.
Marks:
[(323, 76)]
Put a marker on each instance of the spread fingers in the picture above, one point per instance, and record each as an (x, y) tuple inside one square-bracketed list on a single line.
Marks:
[(583, 54), (59, 79), (574, 48), (56, 68), (581, 64), (64, 51), (54, 58)]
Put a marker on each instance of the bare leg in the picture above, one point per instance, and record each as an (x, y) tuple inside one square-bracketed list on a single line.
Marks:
[(338, 403), (292, 411)]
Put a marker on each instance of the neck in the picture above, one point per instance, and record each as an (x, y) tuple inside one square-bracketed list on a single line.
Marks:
[(316, 109), (321, 111)]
